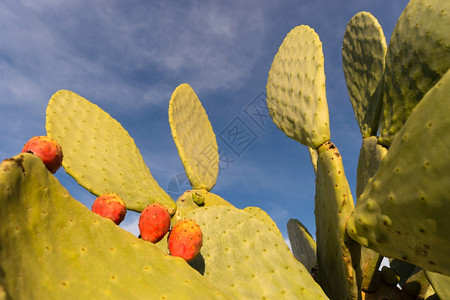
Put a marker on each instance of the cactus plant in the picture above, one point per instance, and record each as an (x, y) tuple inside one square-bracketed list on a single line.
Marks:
[(412, 180), (417, 57), (194, 138), (363, 57), (52, 246), (372, 90), (298, 106), (248, 259)]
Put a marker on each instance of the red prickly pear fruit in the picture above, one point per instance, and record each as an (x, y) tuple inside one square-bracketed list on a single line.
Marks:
[(154, 222), (46, 149), (111, 206), (185, 239)]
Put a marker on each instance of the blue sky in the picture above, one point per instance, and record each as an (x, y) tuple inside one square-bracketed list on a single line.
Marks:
[(129, 56)]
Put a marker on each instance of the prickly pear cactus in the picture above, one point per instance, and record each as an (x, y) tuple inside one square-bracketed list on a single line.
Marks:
[(337, 255), (412, 178), (397, 194), (297, 104), (100, 154), (417, 57), (247, 259), (363, 55), (53, 247), (194, 138), (296, 95)]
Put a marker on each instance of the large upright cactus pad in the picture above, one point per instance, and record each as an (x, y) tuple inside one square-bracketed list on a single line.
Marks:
[(296, 95), (247, 259), (53, 247), (403, 212), (100, 154), (363, 54), (418, 56), (194, 138), (337, 254)]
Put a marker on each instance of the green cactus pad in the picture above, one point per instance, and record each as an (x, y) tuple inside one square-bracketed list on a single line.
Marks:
[(337, 255), (296, 95), (363, 53), (440, 283), (370, 157), (418, 56), (370, 264), (418, 285), (100, 154), (194, 138), (247, 260), (302, 243), (403, 212), (264, 217), (193, 199), (53, 247)]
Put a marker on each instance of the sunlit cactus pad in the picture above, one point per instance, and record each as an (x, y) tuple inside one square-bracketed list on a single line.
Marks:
[(296, 95), (337, 254), (363, 54), (246, 259), (194, 138), (264, 217), (53, 247), (403, 212), (100, 154)]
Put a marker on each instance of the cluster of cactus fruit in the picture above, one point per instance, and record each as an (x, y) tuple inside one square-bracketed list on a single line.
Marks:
[(53, 247), (185, 238)]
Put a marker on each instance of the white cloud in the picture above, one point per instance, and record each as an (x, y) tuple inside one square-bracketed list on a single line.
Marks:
[(119, 53)]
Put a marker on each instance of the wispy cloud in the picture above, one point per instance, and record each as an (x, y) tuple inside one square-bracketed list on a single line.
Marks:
[(122, 53)]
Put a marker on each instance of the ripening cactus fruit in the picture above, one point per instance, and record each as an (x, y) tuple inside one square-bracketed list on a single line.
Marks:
[(46, 149), (154, 222), (185, 239), (111, 206)]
